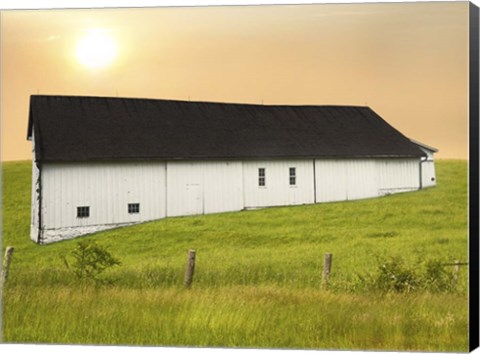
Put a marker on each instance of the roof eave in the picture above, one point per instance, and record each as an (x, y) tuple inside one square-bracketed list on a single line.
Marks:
[(427, 147), (203, 158)]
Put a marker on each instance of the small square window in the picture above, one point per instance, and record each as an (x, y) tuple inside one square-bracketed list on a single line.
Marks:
[(261, 177), (293, 176), (83, 212), (133, 208)]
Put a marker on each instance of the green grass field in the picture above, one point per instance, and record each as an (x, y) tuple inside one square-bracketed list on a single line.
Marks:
[(258, 276)]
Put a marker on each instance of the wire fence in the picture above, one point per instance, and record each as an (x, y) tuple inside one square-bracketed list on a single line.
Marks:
[(455, 264)]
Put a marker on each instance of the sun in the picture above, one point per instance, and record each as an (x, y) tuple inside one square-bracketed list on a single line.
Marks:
[(96, 49)]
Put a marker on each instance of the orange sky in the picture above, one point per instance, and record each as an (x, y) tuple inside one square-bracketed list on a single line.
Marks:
[(407, 61)]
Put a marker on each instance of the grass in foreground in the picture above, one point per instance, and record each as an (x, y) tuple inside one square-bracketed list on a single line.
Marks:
[(237, 317), (257, 280)]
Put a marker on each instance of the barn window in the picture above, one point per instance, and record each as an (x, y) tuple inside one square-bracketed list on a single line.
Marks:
[(261, 177), (133, 208), (83, 212), (293, 176)]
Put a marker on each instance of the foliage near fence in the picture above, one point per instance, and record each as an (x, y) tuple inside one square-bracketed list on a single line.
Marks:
[(90, 260), (258, 276), (393, 275)]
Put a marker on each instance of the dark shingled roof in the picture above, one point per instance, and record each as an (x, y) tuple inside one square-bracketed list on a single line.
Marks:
[(74, 128)]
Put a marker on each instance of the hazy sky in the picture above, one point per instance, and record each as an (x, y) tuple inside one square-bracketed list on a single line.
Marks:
[(407, 61)]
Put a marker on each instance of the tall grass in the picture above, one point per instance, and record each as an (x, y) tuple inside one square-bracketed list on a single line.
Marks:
[(237, 317), (257, 280)]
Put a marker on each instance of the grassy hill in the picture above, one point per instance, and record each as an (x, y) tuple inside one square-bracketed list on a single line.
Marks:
[(257, 280)]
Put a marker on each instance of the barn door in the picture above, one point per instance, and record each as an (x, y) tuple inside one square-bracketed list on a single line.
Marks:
[(194, 199)]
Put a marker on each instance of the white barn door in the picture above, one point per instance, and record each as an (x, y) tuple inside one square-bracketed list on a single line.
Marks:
[(199, 187), (428, 174), (194, 199), (184, 189), (345, 179)]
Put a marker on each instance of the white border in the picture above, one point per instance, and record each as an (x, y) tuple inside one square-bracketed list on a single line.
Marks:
[(77, 4)]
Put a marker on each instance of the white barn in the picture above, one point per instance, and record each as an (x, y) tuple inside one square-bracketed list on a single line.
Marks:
[(100, 163)]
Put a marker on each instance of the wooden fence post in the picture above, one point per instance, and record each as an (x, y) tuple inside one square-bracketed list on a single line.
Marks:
[(455, 272), (327, 266), (6, 263), (189, 269)]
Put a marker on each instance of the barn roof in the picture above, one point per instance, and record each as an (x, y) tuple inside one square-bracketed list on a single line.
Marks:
[(425, 146), (76, 128)]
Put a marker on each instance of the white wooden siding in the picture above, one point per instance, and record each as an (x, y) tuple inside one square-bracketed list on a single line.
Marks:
[(106, 188), (429, 178), (398, 175), (203, 187), (34, 220), (180, 188), (345, 179), (277, 189), (223, 187), (330, 180), (184, 189), (338, 180), (362, 179)]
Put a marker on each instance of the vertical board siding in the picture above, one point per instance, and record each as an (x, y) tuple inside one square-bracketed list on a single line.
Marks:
[(180, 188), (277, 190), (338, 180), (428, 169), (362, 179), (106, 188), (184, 180), (223, 187), (34, 220), (398, 175), (428, 174), (330, 180), (203, 187)]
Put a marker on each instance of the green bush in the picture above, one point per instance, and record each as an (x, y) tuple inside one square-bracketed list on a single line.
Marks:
[(437, 278), (394, 275), (90, 260)]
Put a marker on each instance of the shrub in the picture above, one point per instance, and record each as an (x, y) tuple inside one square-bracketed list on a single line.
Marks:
[(394, 275), (437, 278), (90, 260)]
